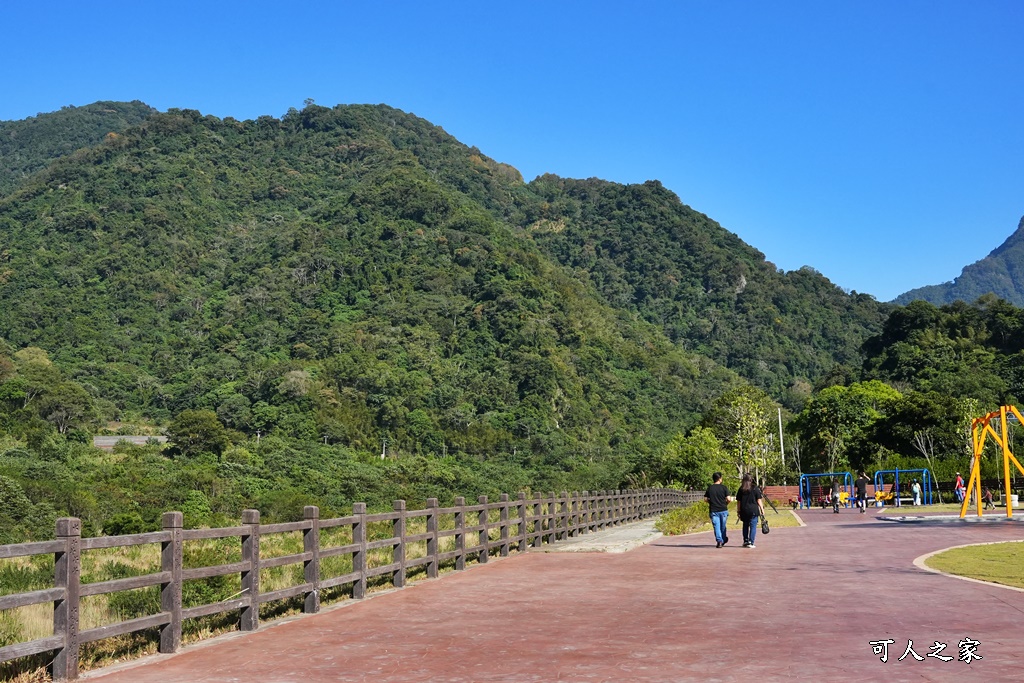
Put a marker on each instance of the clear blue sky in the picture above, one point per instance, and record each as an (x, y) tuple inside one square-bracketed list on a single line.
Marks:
[(879, 142)]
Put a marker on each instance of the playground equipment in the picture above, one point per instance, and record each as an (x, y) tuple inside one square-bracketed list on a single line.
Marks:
[(981, 427), (845, 478), (928, 484)]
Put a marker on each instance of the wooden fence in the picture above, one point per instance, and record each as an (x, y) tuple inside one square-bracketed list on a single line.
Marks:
[(478, 530)]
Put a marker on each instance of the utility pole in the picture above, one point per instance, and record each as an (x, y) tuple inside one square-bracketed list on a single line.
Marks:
[(782, 449), (383, 448)]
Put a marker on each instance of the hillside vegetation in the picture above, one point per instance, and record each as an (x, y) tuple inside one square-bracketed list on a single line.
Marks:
[(709, 291), (28, 145), (326, 278), (349, 304)]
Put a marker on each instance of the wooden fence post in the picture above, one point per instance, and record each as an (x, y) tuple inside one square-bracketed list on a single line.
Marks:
[(483, 537), (573, 523), (250, 617), (359, 554), (67, 571), (170, 592), (521, 514), (311, 567), (432, 566), (460, 533), (552, 517), (503, 521), (398, 552), (563, 513)]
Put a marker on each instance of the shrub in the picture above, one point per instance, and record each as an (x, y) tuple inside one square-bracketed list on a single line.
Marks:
[(10, 629), (136, 603), (125, 524), (683, 520)]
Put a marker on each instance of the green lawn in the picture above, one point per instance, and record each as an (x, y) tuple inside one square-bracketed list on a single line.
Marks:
[(694, 519), (917, 509), (997, 562)]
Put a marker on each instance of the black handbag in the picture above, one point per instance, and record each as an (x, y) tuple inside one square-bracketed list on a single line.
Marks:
[(764, 525)]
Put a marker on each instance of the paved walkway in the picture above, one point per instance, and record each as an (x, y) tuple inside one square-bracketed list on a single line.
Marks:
[(804, 605)]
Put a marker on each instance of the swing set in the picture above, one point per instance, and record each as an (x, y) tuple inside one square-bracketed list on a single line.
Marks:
[(981, 428), (846, 484), (928, 483)]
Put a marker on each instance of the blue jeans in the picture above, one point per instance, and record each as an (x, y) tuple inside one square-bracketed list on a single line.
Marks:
[(718, 521), (750, 529)]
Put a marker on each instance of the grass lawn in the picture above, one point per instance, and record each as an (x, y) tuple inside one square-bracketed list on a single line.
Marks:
[(945, 508), (694, 519), (918, 509), (996, 562)]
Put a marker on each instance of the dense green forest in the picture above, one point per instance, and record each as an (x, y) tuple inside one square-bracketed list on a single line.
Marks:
[(28, 145), (348, 304), (709, 291), (332, 277)]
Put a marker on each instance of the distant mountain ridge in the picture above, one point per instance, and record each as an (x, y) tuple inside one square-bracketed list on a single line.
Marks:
[(1000, 273), (28, 145)]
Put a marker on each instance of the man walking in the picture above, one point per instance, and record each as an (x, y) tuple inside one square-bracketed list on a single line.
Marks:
[(959, 488), (862, 491), (718, 499)]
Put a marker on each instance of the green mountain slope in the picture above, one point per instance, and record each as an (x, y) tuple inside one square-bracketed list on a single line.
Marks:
[(957, 350), (710, 292), (1000, 273), (338, 275), (28, 145)]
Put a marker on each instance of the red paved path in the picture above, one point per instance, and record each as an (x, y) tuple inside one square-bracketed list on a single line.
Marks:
[(803, 605)]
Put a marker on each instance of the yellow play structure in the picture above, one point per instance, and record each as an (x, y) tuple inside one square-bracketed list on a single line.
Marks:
[(981, 427)]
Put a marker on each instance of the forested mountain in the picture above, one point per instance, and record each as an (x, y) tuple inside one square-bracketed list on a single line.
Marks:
[(28, 145), (292, 299), (1000, 273), (327, 277), (709, 291)]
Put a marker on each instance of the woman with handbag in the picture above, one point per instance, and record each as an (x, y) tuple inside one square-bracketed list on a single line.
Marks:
[(750, 506)]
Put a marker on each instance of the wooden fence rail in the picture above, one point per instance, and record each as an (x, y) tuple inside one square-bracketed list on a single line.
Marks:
[(478, 531)]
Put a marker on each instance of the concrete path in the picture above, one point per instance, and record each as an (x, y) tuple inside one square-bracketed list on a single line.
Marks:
[(619, 539), (806, 604)]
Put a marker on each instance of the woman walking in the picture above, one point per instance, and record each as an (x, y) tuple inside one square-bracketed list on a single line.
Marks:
[(750, 507)]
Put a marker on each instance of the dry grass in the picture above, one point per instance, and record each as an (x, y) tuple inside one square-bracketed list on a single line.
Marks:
[(36, 621)]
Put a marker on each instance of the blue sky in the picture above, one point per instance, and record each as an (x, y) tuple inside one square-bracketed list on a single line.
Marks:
[(879, 142)]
